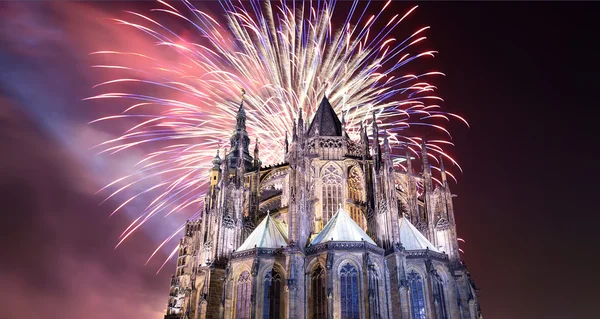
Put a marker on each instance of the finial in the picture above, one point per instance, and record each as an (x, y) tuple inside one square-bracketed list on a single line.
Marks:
[(243, 93), (442, 164)]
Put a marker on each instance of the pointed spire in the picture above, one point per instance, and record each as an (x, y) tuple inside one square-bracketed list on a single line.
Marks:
[(325, 121), (426, 167), (376, 147), (241, 114), (300, 126), (424, 156), (443, 170), (408, 159), (364, 138), (294, 134), (216, 161), (286, 142), (343, 121), (386, 143), (257, 162)]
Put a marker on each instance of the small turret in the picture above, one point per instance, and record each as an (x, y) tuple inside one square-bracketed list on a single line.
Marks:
[(300, 126), (409, 169), (257, 162), (287, 144), (376, 147), (426, 167), (443, 171), (294, 134)]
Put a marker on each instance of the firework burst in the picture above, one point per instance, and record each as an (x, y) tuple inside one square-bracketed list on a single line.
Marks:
[(286, 56)]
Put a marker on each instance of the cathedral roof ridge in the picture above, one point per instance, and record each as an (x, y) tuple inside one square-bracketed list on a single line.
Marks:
[(412, 239), (341, 227), (268, 234)]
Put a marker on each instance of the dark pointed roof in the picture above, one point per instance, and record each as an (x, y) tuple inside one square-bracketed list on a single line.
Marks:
[(325, 120)]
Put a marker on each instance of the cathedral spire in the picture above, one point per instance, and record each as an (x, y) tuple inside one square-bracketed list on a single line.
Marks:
[(257, 162), (376, 147), (286, 142), (217, 161), (409, 169), (443, 170), (294, 134), (364, 139), (424, 159), (241, 114), (325, 121), (426, 168), (386, 143), (300, 126)]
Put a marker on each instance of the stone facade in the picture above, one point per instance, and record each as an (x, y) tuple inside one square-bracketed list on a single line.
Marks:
[(388, 248)]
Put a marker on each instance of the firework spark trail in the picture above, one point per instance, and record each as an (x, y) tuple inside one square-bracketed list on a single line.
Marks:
[(286, 58)]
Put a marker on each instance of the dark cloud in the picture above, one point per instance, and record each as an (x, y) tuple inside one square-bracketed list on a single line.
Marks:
[(57, 243)]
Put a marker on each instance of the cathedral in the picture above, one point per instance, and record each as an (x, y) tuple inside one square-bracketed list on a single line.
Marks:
[(334, 231)]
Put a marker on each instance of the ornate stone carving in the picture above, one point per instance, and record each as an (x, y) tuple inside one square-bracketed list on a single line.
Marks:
[(228, 222)]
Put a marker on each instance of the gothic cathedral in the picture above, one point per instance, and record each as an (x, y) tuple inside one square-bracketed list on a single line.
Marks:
[(335, 231)]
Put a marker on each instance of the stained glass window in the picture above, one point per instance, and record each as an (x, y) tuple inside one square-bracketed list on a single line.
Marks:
[(349, 292), (272, 297), (244, 287), (417, 297), (332, 192), (319, 293)]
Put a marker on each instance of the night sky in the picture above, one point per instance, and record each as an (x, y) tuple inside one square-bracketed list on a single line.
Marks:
[(524, 75)]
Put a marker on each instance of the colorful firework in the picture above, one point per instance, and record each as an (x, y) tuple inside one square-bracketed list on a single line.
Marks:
[(286, 56)]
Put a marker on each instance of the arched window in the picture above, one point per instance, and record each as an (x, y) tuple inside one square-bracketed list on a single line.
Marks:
[(332, 191), (355, 182), (349, 292), (374, 302), (417, 297), (440, 298), (244, 286), (319, 293), (272, 299)]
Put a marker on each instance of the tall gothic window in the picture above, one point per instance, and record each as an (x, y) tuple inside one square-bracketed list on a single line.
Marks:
[(417, 297), (355, 182), (440, 298), (272, 298), (332, 192), (244, 286), (349, 292), (374, 302), (319, 293)]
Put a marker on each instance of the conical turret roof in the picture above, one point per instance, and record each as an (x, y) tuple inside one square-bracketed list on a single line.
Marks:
[(325, 121), (342, 227), (268, 234), (411, 238)]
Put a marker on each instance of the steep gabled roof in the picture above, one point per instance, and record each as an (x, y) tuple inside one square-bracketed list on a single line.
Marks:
[(411, 238), (341, 228), (268, 234), (325, 120)]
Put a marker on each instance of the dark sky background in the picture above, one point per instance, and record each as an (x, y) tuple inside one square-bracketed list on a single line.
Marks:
[(525, 75)]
